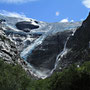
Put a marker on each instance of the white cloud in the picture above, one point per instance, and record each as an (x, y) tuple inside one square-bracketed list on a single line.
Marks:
[(86, 3), (72, 21), (57, 13), (16, 1), (12, 14), (64, 20)]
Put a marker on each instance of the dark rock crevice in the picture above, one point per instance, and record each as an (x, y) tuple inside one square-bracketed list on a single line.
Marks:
[(26, 26)]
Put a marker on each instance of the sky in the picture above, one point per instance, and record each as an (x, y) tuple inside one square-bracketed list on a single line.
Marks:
[(47, 10)]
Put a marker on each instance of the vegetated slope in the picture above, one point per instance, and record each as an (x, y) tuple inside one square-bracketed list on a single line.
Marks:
[(34, 39), (13, 77)]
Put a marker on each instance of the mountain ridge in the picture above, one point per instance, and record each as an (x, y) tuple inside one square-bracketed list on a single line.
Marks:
[(42, 47)]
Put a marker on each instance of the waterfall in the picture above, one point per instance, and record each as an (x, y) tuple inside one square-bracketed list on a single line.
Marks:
[(63, 53)]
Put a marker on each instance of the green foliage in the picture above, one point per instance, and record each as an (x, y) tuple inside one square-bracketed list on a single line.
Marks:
[(73, 78), (13, 77)]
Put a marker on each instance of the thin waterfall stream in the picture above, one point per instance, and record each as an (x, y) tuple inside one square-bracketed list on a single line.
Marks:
[(62, 53)]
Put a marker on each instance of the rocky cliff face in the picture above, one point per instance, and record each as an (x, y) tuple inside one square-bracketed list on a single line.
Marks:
[(81, 37), (8, 50), (78, 46)]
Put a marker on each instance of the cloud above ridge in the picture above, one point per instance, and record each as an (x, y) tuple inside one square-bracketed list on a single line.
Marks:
[(15, 15), (64, 20), (12, 14), (86, 3)]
